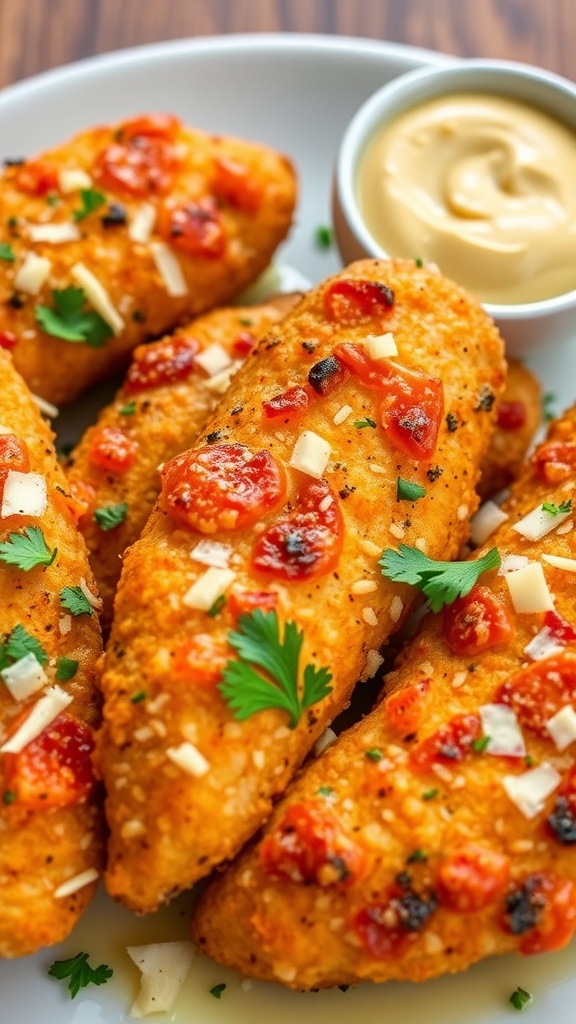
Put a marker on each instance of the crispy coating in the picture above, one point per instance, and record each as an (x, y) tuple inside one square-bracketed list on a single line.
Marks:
[(225, 237), (162, 420), (41, 849), (519, 417), (477, 876), (168, 826)]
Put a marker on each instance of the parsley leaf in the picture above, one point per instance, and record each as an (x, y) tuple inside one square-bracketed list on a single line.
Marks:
[(442, 582), (217, 990), (109, 516), (74, 600), (69, 320), (520, 998), (557, 510), (19, 644), (80, 974), (407, 490), (7, 252), (217, 607), (323, 237), (374, 754), (92, 200), (257, 642), (360, 424), (481, 744), (417, 856), (127, 410), (27, 550), (66, 669)]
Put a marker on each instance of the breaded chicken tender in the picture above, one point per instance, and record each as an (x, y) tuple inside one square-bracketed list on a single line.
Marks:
[(171, 388), (123, 232), (519, 415), (50, 821), (440, 829), (261, 554)]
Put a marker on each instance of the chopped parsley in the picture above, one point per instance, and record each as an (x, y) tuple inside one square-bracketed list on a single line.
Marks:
[(520, 998), (127, 410), (360, 424), (323, 237), (18, 644), (70, 320), (481, 744), (258, 643), (91, 200), (8, 797), (441, 582), (373, 754), (419, 261), (217, 607), (138, 697), (429, 794), (27, 550), (79, 973), (217, 990), (407, 490), (557, 510), (548, 403), (74, 600), (246, 321), (7, 252), (417, 857), (109, 516), (66, 669), (324, 791)]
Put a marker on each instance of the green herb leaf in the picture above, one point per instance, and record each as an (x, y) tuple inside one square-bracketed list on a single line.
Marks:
[(68, 319), (419, 261), (92, 200), (217, 606), (548, 405), (66, 669), (258, 643), (557, 510), (138, 697), (374, 754), (7, 252), (481, 744), (74, 600), (520, 998), (79, 973), (360, 424), (246, 321), (324, 791), (20, 643), (429, 794), (407, 490), (217, 990), (127, 410), (8, 797), (417, 857), (27, 550), (323, 237), (441, 582), (109, 516)]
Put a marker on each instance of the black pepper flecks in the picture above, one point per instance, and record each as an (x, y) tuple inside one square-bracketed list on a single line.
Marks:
[(434, 473), (309, 346), (214, 437), (451, 422), (486, 399)]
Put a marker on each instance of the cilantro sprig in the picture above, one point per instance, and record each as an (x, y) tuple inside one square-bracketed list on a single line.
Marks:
[(74, 600), (27, 550), (557, 510), (70, 320), (91, 200), (7, 252), (409, 490), (441, 582), (108, 517), (79, 973), (17, 645), (257, 642)]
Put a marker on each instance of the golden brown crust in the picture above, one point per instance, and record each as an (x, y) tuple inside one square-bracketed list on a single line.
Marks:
[(59, 370), (167, 827), (162, 421), (519, 417), (40, 850), (408, 821)]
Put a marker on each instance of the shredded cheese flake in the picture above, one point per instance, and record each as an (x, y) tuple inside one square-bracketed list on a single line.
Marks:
[(530, 791), (310, 454), (529, 590), (562, 727), (212, 552), (97, 296), (46, 709), (169, 269), (56, 234), (77, 882), (381, 346), (486, 520), (342, 415), (189, 759), (24, 494), (567, 564), (72, 179), (142, 224), (211, 585), (32, 273), (324, 741), (45, 407), (25, 677), (538, 523)]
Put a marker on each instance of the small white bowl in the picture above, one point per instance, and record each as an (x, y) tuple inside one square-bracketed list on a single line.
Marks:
[(524, 326)]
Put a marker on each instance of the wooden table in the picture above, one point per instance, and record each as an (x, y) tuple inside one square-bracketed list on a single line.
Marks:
[(40, 34)]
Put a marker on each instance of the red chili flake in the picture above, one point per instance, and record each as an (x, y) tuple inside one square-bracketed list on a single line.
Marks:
[(161, 363), (538, 692), (471, 878), (244, 343), (555, 461), (511, 415), (476, 623), (450, 744), (194, 227), (291, 403), (222, 487), (7, 340), (234, 183), (308, 845), (200, 661), (53, 770), (112, 451), (305, 542), (349, 300)]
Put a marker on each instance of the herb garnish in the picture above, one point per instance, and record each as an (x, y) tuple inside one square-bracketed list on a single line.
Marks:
[(520, 998), (127, 410), (66, 669), (407, 490), (359, 424), (481, 744), (217, 990), (92, 200), (18, 644), (257, 642), (27, 550), (557, 510), (441, 582), (70, 320), (7, 252), (374, 754), (80, 974), (74, 600), (109, 516), (323, 237)]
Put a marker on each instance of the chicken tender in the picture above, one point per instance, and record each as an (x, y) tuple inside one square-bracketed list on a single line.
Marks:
[(261, 552), (518, 418), (50, 821), (159, 411), (121, 233), (440, 829)]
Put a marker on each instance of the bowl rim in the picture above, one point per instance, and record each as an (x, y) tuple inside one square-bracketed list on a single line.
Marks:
[(408, 86)]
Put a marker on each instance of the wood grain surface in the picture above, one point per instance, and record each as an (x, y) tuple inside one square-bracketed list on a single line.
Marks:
[(40, 34)]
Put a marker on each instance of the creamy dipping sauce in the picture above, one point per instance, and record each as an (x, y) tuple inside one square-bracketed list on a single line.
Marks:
[(481, 185)]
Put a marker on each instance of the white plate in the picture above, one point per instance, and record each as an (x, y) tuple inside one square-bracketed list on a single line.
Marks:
[(296, 93)]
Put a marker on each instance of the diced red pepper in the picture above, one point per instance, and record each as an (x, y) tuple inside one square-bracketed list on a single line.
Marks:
[(233, 184), (555, 461), (406, 707), (559, 628), (350, 300), (222, 487), (538, 692), (243, 602), (14, 453), (53, 770), (476, 623), (511, 415), (306, 542), (310, 845), (244, 344), (143, 160), (450, 744), (8, 340), (163, 362), (112, 451), (471, 878), (200, 661), (196, 227), (291, 403), (37, 177)]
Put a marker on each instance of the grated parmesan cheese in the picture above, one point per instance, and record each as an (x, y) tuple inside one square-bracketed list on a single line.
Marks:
[(97, 296), (189, 759), (169, 269), (32, 273), (212, 552), (530, 791), (56, 234), (25, 677), (46, 709), (24, 494), (208, 588), (142, 224), (310, 454)]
